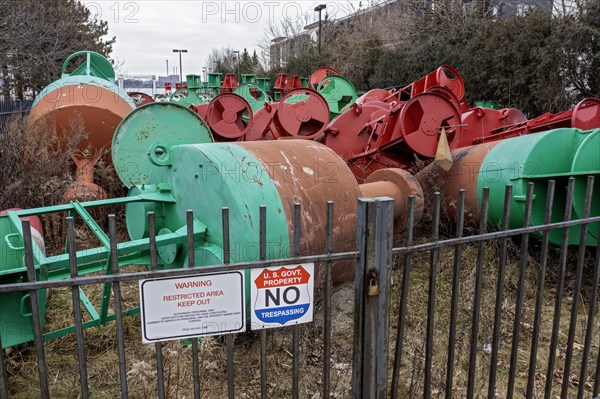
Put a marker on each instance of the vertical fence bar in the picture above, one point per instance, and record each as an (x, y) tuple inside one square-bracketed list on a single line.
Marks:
[(327, 300), (192, 263), (114, 261), (3, 381), (499, 294), (77, 315), (433, 260), (230, 371), (403, 298), (578, 275), (358, 334), (385, 243), (263, 332), (589, 329), (520, 294), (371, 330), (596, 389), (460, 221), (226, 238), (559, 291), (295, 327), (378, 268), (477, 294), (370, 320), (228, 337), (35, 312), (160, 374), (539, 299)]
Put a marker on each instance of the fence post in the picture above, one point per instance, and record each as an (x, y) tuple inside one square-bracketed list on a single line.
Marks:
[(374, 239)]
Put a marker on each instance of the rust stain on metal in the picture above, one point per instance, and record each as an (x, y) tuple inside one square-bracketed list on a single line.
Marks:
[(302, 173), (286, 160)]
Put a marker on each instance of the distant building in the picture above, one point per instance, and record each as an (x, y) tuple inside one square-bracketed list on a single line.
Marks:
[(173, 79), (137, 84), (501, 9), (285, 48), (278, 52), (509, 8)]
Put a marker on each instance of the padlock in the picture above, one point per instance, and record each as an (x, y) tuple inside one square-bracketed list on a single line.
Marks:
[(373, 288)]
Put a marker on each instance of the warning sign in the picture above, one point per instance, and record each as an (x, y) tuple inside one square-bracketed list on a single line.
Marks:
[(282, 296), (178, 308)]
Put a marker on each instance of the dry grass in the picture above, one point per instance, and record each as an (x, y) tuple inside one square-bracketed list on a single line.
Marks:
[(37, 167)]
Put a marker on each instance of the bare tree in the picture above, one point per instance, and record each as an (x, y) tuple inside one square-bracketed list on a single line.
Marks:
[(36, 37), (285, 39)]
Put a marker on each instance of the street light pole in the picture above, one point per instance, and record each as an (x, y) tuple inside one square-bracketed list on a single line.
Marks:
[(237, 54), (180, 68), (320, 8)]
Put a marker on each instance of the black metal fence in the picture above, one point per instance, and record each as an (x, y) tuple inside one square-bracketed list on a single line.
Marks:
[(9, 109), (504, 349), (459, 316)]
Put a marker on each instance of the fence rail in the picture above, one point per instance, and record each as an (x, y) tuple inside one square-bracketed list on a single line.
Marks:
[(11, 108), (455, 316)]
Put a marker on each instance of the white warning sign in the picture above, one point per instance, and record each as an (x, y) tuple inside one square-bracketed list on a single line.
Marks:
[(177, 308), (282, 296)]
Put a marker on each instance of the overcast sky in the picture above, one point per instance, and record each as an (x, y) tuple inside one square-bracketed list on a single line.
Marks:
[(147, 31)]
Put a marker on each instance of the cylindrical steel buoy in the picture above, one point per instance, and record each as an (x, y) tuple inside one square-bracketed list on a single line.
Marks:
[(555, 154), (243, 176), (152, 127)]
